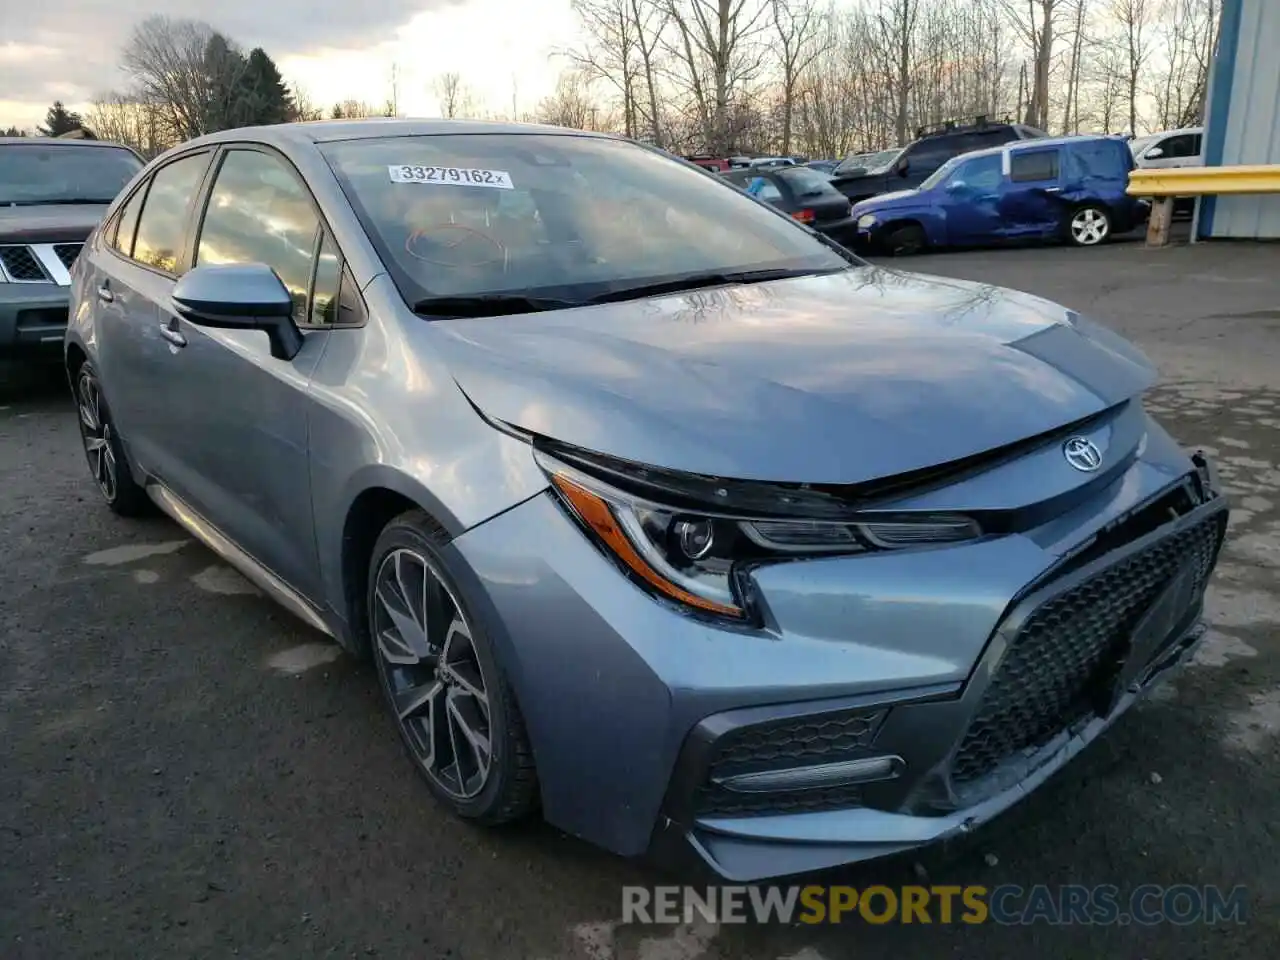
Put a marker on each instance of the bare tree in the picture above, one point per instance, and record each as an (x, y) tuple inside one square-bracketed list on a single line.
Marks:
[(1134, 20), (185, 69), (571, 105), (123, 119), (800, 36), (1036, 21), (360, 109), (610, 54), (307, 109), (1188, 35), (716, 45), (452, 95), (649, 20), (1071, 108)]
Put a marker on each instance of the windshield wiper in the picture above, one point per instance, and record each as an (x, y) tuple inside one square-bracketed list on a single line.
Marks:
[(489, 305), (699, 281), (54, 200)]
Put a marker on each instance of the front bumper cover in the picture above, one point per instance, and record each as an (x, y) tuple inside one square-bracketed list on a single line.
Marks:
[(925, 730)]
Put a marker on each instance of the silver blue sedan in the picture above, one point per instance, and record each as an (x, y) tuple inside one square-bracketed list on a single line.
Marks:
[(654, 509)]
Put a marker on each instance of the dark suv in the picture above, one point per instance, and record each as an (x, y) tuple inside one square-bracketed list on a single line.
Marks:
[(869, 175), (53, 192)]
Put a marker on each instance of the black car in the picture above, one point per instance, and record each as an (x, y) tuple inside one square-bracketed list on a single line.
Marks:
[(53, 192), (870, 175), (804, 193)]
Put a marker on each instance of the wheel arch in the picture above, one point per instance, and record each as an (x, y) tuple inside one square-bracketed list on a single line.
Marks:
[(368, 514)]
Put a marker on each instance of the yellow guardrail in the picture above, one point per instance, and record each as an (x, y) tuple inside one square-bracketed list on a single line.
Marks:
[(1204, 181), (1164, 185)]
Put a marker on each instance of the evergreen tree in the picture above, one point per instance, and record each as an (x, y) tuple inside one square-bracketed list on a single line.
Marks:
[(262, 97), (224, 67), (13, 132), (60, 120)]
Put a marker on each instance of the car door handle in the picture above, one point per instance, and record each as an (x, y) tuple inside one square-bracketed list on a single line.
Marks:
[(172, 335), (1052, 189), (105, 295)]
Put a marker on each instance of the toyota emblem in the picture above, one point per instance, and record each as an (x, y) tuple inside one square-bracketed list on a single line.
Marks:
[(1083, 454)]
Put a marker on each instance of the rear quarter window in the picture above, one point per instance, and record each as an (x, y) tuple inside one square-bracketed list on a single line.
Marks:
[(1030, 166), (1103, 159)]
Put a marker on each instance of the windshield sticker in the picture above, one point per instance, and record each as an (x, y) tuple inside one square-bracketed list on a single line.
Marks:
[(451, 176)]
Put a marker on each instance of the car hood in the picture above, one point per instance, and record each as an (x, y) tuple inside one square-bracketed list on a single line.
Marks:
[(50, 224), (899, 198), (830, 379)]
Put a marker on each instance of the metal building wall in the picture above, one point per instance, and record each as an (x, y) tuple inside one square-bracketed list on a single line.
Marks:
[(1243, 121)]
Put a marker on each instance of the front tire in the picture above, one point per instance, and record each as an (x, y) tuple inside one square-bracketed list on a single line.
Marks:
[(108, 461), (451, 703), (905, 240), (1088, 226)]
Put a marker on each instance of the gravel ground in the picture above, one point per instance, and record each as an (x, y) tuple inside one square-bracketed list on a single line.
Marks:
[(187, 772)]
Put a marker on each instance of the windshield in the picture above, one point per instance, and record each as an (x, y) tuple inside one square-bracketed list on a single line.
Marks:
[(567, 218), (1138, 144), (870, 162), (62, 173), (940, 174)]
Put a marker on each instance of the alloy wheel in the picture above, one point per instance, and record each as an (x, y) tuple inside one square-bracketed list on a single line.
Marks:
[(95, 431), (432, 675), (1089, 226)]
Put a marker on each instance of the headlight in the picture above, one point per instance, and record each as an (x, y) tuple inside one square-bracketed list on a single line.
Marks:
[(866, 221), (696, 556)]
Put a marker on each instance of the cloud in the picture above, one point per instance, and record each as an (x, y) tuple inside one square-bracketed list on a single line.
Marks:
[(70, 49)]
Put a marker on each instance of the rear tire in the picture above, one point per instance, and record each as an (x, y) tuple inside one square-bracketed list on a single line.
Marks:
[(905, 240), (108, 462), (1088, 226), (455, 712)]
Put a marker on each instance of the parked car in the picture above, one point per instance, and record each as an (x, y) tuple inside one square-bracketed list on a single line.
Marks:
[(714, 164), (692, 528), (52, 194), (1072, 188), (807, 195), (1171, 148), (917, 161), (825, 166), (771, 162), (861, 164)]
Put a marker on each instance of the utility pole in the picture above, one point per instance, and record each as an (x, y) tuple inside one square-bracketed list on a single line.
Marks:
[(515, 113), (395, 91)]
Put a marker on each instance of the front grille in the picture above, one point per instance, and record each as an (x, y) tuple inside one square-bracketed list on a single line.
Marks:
[(1069, 649), (67, 252), (781, 744), (20, 263), (715, 801)]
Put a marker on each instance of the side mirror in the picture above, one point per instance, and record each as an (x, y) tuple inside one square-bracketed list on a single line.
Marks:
[(956, 186), (1155, 153), (904, 167), (240, 296)]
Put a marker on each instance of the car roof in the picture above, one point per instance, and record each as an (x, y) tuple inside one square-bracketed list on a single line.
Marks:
[(1038, 143), (330, 131)]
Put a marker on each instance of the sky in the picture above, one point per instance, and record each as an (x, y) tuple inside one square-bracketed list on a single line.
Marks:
[(69, 49)]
